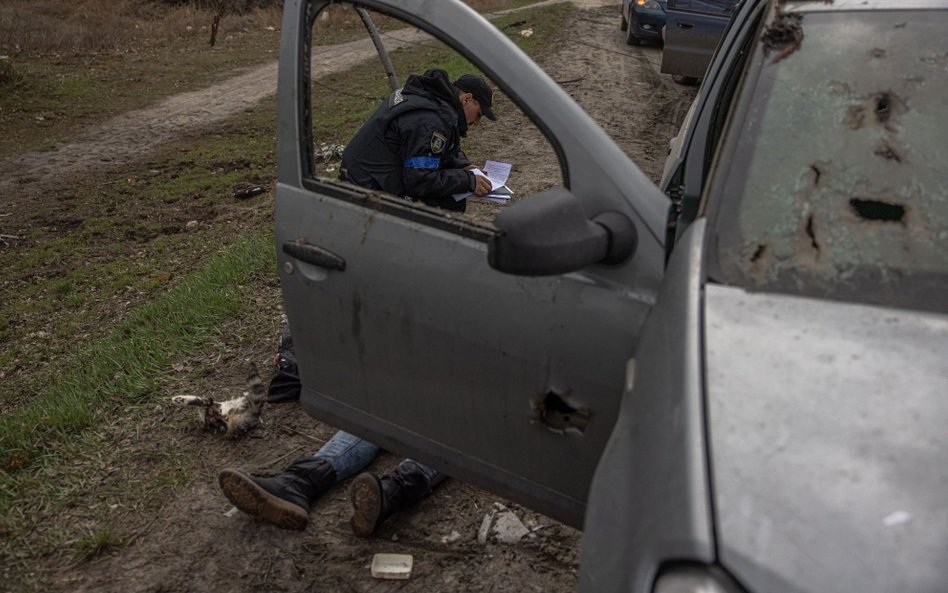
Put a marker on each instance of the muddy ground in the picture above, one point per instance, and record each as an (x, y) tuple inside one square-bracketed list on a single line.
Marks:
[(195, 543)]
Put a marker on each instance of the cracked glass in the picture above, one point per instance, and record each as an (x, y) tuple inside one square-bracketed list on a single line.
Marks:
[(832, 181)]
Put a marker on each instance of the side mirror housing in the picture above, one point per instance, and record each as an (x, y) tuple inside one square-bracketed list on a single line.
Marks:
[(550, 234)]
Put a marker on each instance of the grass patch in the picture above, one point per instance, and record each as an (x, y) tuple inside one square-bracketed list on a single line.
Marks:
[(89, 247), (97, 543), (124, 364)]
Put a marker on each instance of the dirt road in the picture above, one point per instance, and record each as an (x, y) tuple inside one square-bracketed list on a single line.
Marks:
[(197, 543)]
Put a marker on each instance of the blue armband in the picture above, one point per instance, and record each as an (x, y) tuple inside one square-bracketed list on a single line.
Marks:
[(423, 162)]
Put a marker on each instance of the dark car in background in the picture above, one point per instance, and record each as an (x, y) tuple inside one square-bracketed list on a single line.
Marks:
[(693, 29), (643, 20)]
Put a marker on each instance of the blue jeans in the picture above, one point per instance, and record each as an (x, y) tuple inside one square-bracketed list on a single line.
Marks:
[(348, 455)]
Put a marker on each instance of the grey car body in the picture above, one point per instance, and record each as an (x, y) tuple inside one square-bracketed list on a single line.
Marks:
[(624, 360)]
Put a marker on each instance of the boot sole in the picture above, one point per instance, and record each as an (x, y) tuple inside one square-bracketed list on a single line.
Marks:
[(254, 500), (366, 497)]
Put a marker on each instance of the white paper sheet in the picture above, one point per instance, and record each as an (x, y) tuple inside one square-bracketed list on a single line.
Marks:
[(497, 173)]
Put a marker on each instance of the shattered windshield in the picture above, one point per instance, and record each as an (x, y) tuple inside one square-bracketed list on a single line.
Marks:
[(832, 180)]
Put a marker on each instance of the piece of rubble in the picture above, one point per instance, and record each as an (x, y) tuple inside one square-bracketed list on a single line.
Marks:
[(451, 537), (501, 525)]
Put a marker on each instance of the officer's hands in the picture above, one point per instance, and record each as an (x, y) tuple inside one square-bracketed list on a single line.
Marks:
[(482, 187)]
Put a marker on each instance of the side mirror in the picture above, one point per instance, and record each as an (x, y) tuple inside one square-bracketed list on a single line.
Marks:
[(549, 234)]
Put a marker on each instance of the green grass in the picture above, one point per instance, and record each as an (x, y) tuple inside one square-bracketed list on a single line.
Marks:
[(52, 448), (199, 179), (124, 363), (97, 543)]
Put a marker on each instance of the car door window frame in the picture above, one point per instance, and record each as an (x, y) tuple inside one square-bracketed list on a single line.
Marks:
[(717, 107), (381, 201)]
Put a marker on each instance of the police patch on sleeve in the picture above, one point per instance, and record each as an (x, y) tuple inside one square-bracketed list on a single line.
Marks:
[(438, 142)]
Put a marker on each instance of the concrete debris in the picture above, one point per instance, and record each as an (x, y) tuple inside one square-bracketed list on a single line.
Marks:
[(501, 525)]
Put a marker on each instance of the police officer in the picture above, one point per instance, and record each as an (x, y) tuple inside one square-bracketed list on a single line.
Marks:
[(411, 145)]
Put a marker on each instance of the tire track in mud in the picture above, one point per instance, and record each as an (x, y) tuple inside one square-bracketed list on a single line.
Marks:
[(621, 88)]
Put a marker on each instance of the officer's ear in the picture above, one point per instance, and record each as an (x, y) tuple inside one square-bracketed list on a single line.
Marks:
[(464, 97)]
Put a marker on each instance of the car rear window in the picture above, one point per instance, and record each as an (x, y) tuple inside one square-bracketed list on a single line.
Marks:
[(832, 179)]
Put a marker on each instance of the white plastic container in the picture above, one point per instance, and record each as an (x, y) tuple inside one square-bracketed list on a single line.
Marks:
[(391, 566)]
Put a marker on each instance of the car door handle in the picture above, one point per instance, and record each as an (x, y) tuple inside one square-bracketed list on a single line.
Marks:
[(686, 26), (314, 255)]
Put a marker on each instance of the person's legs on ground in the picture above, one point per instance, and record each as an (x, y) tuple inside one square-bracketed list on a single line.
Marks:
[(375, 499), (348, 454), (284, 500)]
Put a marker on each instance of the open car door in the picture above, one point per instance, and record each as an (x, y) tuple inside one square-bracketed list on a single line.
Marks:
[(693, 29), (497, 354)]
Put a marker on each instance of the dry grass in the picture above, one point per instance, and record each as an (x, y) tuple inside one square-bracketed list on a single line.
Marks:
[(486, 5), (334, 23), (60, 26)]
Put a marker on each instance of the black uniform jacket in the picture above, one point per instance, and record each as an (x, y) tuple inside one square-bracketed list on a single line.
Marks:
[(411, 146)]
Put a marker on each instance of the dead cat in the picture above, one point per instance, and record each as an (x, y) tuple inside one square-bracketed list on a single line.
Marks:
[(234, 416)]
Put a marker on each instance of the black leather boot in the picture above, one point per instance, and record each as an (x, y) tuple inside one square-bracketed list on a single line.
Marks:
[(284, 499), (374, 499)]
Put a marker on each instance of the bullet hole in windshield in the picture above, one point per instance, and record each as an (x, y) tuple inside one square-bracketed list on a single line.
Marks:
[(811, 233), (883, 107), (558, 415), (759, 252), (817, 173), (877, 210)]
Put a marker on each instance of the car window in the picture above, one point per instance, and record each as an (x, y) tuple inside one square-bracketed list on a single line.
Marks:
[(342, 100), (832, 183)]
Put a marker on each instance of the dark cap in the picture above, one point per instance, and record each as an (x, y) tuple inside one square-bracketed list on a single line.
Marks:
[(469, 83)]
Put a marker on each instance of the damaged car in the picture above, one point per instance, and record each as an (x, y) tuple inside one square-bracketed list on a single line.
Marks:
[(732, 381)]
